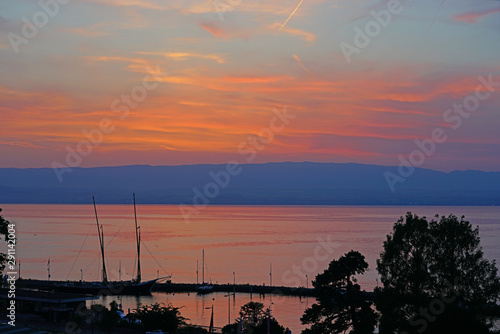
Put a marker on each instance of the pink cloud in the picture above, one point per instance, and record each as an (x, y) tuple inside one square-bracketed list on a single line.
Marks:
[(214, 30), (474, 17)]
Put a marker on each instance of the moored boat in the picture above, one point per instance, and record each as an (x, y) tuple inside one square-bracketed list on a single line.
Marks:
[(133, 287), (112, 288), (204, 288)]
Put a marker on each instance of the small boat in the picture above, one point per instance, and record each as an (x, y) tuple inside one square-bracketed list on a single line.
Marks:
[(133, 287), (204, 288)]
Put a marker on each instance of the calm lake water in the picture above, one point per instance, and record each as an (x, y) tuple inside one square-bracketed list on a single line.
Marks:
[(297, 240)]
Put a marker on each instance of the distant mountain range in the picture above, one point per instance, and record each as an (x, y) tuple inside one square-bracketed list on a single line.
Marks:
[(286, 183)]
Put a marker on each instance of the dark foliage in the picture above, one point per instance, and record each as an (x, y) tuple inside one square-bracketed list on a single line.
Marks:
[(341, 305), (435, 279), (189, 329), (159, 316), (254, 321), (110, 318)]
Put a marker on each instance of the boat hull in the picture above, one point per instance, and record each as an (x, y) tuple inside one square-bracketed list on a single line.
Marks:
[(115, 289), (205, 289)]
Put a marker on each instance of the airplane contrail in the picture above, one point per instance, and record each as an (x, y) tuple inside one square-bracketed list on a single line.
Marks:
[(300, 3), (437, 13)]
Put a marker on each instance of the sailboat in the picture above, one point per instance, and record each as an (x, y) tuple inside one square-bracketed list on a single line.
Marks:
[(204, 288), (132, 287)]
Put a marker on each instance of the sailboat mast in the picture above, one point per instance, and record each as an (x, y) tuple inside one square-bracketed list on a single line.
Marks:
[(203, 266), (104, 273), (271, 274), (138, 240), (101, 243)]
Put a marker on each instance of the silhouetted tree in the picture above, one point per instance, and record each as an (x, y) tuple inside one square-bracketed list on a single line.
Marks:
[(110, 318), (274, 327), (159, 316), (254, 321), (253, 313), (341, 305), (435, 279)]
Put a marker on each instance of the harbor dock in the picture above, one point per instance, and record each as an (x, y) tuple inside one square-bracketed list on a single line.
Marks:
[(171, 287)]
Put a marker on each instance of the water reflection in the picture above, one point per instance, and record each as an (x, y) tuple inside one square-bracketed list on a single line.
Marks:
[(197, 308)]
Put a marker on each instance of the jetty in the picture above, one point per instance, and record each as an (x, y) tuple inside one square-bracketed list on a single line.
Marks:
[(240, 288), (169, 287)]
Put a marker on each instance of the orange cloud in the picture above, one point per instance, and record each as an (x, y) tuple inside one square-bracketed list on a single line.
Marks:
[(214, 30), (474, 17), (299, 61), (130, 3), (138, 65), (88, 32), (186, 55), (278, 7), (309, 37), (20, 144), (205, 114), (257, 79)]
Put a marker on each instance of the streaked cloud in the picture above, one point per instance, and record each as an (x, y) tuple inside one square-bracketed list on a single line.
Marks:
[(474, 17), (20, 144), (299, 61), (131, 3), (225, 77), (307, 36), (214, 30), (97, 30), (180, 56), (134, 64)]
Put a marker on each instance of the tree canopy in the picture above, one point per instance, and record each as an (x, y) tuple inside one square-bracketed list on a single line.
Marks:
[(109, 318), (253, 318), (341, 305), (435, 278), (3, 231), (160, 316)]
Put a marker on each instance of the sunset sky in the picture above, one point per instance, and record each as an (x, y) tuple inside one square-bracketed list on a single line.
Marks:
[(214, 79)]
